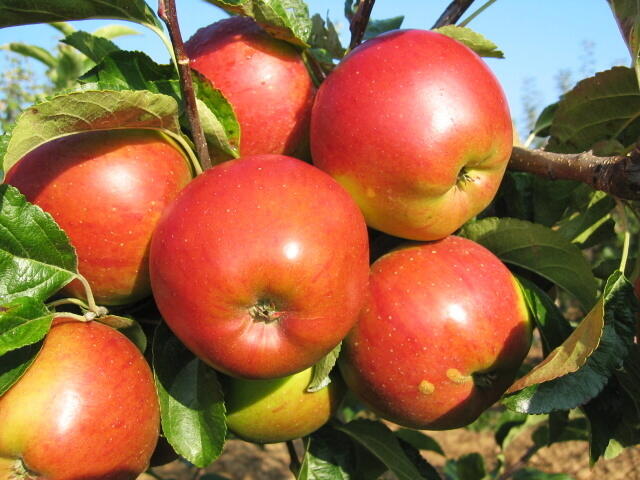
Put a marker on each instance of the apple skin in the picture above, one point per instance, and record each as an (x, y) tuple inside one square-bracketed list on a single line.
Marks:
[(279, 410), (106, 189), (86, 408), (260, 266), (416, 127), (265, 80), (441, 338)]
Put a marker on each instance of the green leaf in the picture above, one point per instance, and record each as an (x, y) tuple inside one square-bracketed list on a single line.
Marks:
[(571, 355), (25, 12), (551, 199), (538, 249), (325, 36), (124, 70), (553, 327), (15, 363), (603, 107), (23, 321), (219, 122), (191, 404), (577, 388), (321, 370), (475, 41), (36, 258), (542, 127), (129, 328), (377, 27), (421, 464), (114, 31), (92, 110), (513, 425), (419, 440), (380, 441), (328, 455), (627, 14), (467, 467), (32, 51), (578, 227), (63, 27), (136, 71), (576, 429), (287, 20), (95, 48), (613, 422)]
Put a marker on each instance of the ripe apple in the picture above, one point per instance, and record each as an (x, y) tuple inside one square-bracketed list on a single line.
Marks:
[(106, 189), (265, 80), (441, 337), (278, 410), (86, 408), (260, 266), (416, 127)]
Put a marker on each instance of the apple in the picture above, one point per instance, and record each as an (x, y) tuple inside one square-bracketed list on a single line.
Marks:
[(416, 127), (260, 266), (86, 408), (264, 79), (279, 410), (106, 189), (442, 336)]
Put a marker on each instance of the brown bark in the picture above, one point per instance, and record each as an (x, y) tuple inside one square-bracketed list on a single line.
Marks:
[(167, 12), (359, 22), (618, 175), (453, 12)]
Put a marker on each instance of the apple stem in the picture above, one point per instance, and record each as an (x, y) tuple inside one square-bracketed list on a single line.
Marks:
[(452, 13), (80, 318), (68, 301), (167, 12), (93, 308), (467, 20), (627, 235), (359, 22)]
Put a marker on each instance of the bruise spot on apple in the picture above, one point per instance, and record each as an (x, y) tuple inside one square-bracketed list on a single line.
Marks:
[(455, 376), (426, 387)]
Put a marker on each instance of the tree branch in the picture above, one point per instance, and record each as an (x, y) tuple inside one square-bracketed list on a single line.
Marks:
[(452, 13), (167, 12), (359, 22), (618, 175)]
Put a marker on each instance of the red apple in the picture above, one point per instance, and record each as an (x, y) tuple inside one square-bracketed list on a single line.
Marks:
[(278, 410), (441, 338), (265, 80), (416, 127), (86, 408), (260, 266), (106, 189)]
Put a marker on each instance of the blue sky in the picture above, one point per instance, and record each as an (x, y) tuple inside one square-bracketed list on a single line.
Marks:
[(540, 38)]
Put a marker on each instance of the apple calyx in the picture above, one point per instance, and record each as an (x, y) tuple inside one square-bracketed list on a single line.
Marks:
[(19, 471), (265, 310), (464, 177)]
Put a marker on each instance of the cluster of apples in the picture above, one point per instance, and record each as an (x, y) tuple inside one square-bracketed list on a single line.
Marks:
[(261, 264)]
